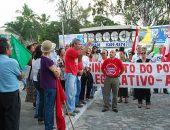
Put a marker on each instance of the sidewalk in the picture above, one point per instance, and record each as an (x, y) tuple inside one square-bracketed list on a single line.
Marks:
[(129, 117), (28, 122)]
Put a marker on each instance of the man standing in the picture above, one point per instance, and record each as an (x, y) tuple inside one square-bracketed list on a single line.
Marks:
[(112, 69), (71, 70), (9, 88)]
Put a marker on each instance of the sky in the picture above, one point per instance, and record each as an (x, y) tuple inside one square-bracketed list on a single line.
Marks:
[(8, 8)]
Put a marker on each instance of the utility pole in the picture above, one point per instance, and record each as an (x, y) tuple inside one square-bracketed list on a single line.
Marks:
[(63, 33)]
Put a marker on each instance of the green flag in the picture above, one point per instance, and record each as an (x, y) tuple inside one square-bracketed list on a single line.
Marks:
[(19, 52)]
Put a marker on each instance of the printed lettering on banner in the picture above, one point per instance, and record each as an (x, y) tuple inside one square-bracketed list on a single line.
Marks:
[(136, 75)]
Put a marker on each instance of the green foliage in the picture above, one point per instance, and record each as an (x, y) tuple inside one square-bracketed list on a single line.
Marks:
[(100, 7), (149, 12), (100, 20), (31, 27)]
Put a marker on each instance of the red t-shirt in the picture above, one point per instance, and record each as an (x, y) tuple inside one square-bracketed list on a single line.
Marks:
[(71, 61), (112, 67), (80, 64)]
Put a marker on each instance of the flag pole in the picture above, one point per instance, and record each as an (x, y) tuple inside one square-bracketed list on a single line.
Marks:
[(65, 105)]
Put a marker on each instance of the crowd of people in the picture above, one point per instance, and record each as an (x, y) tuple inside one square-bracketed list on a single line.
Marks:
[(71, 66)]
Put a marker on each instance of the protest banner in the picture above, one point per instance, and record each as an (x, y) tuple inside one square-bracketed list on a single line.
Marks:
[(137, 75)]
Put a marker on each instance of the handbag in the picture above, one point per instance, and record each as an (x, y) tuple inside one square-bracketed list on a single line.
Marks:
[(30, 90)]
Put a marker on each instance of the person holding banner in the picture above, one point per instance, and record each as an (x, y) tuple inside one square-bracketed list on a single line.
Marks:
[(157, 58), (134, 59), (143, 93), (112, 68), (123, 92)]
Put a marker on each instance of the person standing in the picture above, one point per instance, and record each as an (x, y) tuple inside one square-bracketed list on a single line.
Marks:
[(143, 93), (71, 70), (61, 64), (157, 58), (134, 59), (48, 75), (9, 88), (104, 55), (112, 68), (123, 92), (36, 80)]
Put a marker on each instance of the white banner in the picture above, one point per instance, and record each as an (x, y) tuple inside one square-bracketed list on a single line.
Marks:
[(137, 75), (111, 44)]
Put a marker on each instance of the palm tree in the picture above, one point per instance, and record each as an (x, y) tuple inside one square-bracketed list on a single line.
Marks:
[(25, 25)]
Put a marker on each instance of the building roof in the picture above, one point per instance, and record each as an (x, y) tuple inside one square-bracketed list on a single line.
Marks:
[(102, 28)]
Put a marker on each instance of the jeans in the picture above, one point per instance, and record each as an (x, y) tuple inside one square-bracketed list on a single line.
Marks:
[(70, 90), (92, 91), (78, 89), (49, 102), (36, 85), (24, 81)]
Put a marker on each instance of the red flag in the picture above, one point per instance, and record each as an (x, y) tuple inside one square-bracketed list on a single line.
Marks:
[(60, 98), (135, 42), (166, 48)]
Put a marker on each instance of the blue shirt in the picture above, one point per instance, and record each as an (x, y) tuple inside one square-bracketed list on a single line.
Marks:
[(9, 72)]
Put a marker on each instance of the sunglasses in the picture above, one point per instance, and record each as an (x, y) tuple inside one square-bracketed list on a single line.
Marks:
[(103, 53), (143, 53)]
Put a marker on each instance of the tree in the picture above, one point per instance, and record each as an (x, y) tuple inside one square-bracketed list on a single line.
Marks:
[(149, 12), (67, 9), (83, 16), (100, 20), (44, 22), (25, 26), (100, 7), (52, 32)]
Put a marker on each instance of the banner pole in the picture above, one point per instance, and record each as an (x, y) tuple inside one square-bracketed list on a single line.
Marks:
[(69, 115)]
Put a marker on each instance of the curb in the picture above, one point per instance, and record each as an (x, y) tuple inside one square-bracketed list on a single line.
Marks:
[(82, 110)]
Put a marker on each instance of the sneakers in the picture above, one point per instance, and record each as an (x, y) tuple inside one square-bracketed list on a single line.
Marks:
[(126, 100), (115, 110), (76, 111), (147, 106), (79, 105), (139, 105), (83, 102), (105, 109), (70, 114), (40, 122)]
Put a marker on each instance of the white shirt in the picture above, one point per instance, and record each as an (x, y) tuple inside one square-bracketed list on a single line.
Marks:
[(53, 56), (85, 61), (118, 55), (157, 58), (35, 68), (135, 58)]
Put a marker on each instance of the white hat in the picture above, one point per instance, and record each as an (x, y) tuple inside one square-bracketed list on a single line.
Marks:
[(47, 46)]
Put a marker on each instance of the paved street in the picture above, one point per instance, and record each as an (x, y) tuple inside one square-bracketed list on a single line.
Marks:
[(129, 116)]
